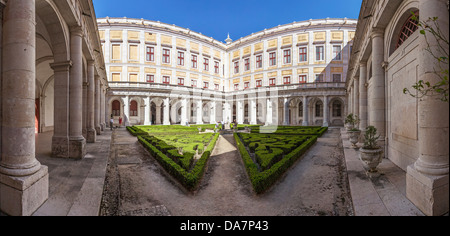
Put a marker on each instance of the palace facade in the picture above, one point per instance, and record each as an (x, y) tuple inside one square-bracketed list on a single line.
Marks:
[(292, 74)]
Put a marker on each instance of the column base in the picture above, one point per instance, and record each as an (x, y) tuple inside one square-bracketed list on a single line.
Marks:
[(325, 124), (22, 196), (305, 123), (60, 147), (98, 130), (429, 193), (102, 127), (77, 148), (91, 136)]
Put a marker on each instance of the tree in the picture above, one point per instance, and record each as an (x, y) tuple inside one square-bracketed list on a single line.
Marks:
[(430, 28)]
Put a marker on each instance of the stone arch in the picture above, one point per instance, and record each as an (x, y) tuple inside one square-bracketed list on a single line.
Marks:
[(336, 117), (398, 22)]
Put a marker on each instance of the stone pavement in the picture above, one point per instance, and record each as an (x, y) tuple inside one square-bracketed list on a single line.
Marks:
[(76, 186), (382, 196)]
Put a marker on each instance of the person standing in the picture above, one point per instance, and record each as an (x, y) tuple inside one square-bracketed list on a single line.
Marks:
[(111, 123), (120, 122)]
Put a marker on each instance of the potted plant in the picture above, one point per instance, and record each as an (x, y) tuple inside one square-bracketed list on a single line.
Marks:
[(349, 121), (354, 133), (371, 154)]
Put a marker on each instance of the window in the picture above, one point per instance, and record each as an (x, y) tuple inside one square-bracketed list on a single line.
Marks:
[(205, 85), (150, 54), (133, 54), (303, 55), (319, 78), (287, 56), (194, 83), (150, 78), (336, 78), (166, 56), (236, 86), (300, 109), (272, 59), (216, 86), (180, 81), (302, 79), (181, 58), (286, 80), (337, 109), (337, 53), (259, 83), (319, 109), (246, 85), (166, 80), (272, 82), (246, 64), (216, 67), (258, 61), (320, 53), (206, 64), (133, 108), (116, 77), (116, 108), (408, 28), (236, 67), (116, 50), (194, 61)]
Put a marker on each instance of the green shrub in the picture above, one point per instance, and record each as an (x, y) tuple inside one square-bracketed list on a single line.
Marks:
[(274, 169), (180, 170)]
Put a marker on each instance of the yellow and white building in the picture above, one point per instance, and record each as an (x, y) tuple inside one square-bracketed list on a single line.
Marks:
[(163, 74)]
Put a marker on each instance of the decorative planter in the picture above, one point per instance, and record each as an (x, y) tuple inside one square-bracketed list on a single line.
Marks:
[(354, 137), (371, 158), (349, 126)]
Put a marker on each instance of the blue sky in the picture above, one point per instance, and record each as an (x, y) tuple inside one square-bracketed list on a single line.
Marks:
[(240, 18)]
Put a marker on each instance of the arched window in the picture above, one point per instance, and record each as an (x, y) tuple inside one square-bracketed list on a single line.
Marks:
[(300, 109), (133, 108), (337, 109), (319, 109), (116, 108), (410, 26)]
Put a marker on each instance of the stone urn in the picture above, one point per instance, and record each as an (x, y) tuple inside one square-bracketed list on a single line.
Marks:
[(354, 137), (349, 126), (371, 158)]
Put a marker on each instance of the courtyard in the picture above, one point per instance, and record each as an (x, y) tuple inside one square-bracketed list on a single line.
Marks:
[(121, 178)]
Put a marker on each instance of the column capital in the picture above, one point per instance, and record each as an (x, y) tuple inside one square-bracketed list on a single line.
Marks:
[(61, 66), (362, 64), (76, 30), (377, 32)]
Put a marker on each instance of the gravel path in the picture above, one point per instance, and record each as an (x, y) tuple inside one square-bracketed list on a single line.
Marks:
[(137, 185)]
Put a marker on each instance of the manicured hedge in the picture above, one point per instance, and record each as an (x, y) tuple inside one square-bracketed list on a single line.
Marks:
[(189, 180), (263, 180), (296, 130)]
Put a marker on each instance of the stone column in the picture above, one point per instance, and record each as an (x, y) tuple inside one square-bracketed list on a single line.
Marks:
[(60, 140), (126, 111), (253, 117), (184, 112), (158, 115), (240, 112), (199, 112), (305, 111), (147, 116), (350, 100), (166, 119), (286, 111), (356, 96), (23, 180), (77, 143), (98, 92), (102, 108), (427, 180), (325, 111), (362, 96), (377, 94), (212, 115), (269, 117), (91, 133)]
